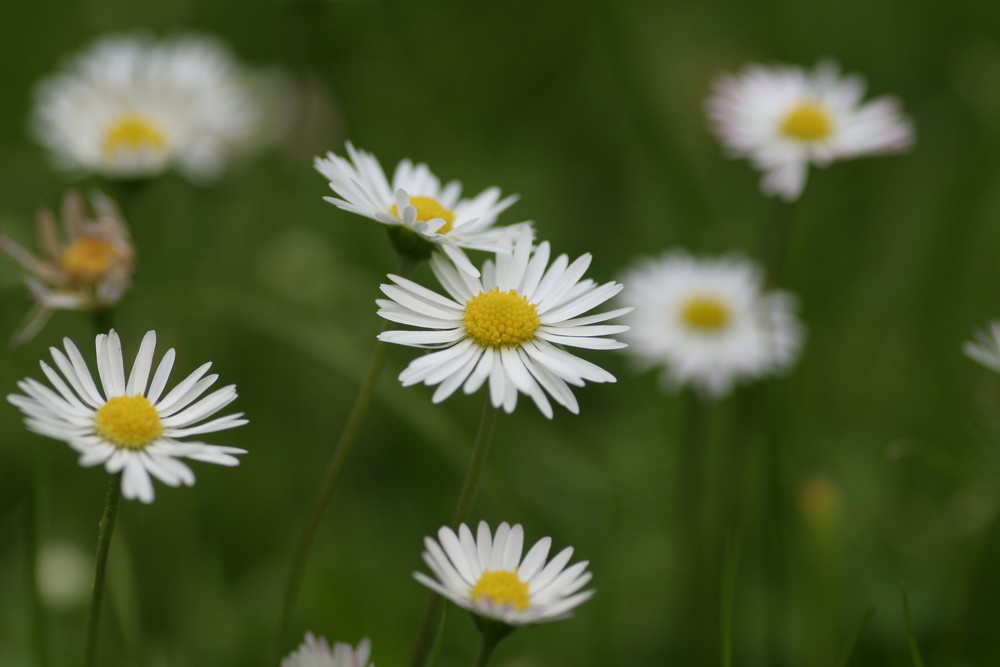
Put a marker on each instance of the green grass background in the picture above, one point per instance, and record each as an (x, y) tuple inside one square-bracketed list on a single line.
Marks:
[(875, 462)]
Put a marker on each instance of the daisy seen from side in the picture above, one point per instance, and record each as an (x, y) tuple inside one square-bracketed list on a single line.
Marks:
[(487, 575), (417, 202), (130, 426), (507, 326), (785, 118), (88, 267), (130, 107), (316, 652), (709, 322)]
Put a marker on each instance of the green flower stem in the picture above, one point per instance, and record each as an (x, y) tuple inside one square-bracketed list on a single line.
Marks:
[(106, 529), (775, 242), (32, 520), (491, 634), (429, 626)]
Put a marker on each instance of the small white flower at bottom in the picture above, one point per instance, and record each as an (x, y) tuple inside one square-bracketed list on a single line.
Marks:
[(784, 118), (131, 427), (985, 346), (708, 321), (316, 652), (486, 575)]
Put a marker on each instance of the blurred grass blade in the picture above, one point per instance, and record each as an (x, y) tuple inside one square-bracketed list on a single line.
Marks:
[(862, 626), (731, 563), (910, 636)]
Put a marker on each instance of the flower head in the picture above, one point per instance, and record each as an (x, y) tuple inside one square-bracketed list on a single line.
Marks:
[(129, 107), (131, 426), (506, 326), (784, 118), (316, 652), (985, 346), (91, 269), (486, 575), (417, 202), (709, 322)]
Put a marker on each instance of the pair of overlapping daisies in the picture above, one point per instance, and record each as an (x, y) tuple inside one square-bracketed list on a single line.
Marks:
[(504, 324)]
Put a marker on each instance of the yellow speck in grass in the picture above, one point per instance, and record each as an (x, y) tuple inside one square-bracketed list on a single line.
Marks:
[(429, 208), (88, 259), (133, 132), (501, 588), (705, 314), (500, 319), (807, 122), (130, 422)]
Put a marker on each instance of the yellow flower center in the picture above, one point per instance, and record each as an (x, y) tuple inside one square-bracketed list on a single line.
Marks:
[(132, 132), (705, 313), (429, 208), (88, 259), (501, 587), (807, 122), (129, 422), (500, 319)]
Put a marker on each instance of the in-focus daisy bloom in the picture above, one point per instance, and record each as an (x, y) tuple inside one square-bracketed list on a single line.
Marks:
[(130, 426), (507, 326), (709, 322), (416, 201), (784, 118), (486, 575), (128, 107), (91, 269), (984, 348), (316, 652)]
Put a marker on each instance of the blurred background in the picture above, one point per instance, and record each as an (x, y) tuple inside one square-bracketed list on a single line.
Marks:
[(874, 463)]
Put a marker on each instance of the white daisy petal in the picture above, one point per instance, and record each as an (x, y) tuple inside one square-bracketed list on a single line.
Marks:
[(502, 587), (316, 652), (128, 433)]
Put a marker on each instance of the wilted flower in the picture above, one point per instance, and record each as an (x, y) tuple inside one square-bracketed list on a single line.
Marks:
[(985, 347), (87, 267)]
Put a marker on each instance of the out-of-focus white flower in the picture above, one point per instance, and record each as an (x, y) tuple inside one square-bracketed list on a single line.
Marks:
[(417, 202), (709, 322), (784, 118), (65, 574), (129, 107), (316, 652), (92, 269), (985, 346)]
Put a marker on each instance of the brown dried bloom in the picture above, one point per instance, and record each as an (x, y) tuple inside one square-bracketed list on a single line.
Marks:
[(91, 270)]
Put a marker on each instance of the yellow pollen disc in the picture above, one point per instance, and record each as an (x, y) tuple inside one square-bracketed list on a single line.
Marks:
[(428, 209), (807, 122), (501, 587), (129, 422), (500, 319), (88, 259), (132, 132), (705, 313)]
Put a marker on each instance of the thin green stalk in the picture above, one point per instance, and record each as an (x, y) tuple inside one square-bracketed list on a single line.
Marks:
[(333, 469), (32, 520), (911, 637), (775, 242), (729, 571), (106, 529), (429, 626), (862, 626)]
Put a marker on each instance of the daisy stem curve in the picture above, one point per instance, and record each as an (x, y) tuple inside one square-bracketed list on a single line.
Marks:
[(106, 528), (338, 458), (429, 626)]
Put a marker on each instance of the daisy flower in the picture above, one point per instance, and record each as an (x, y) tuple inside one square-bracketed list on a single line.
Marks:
[(486, 575), (985, 346), (709, 322), (506, 326), (416, 201), (784, 118), (91, 269), (131, 427), (316, 652), (128, 107)]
